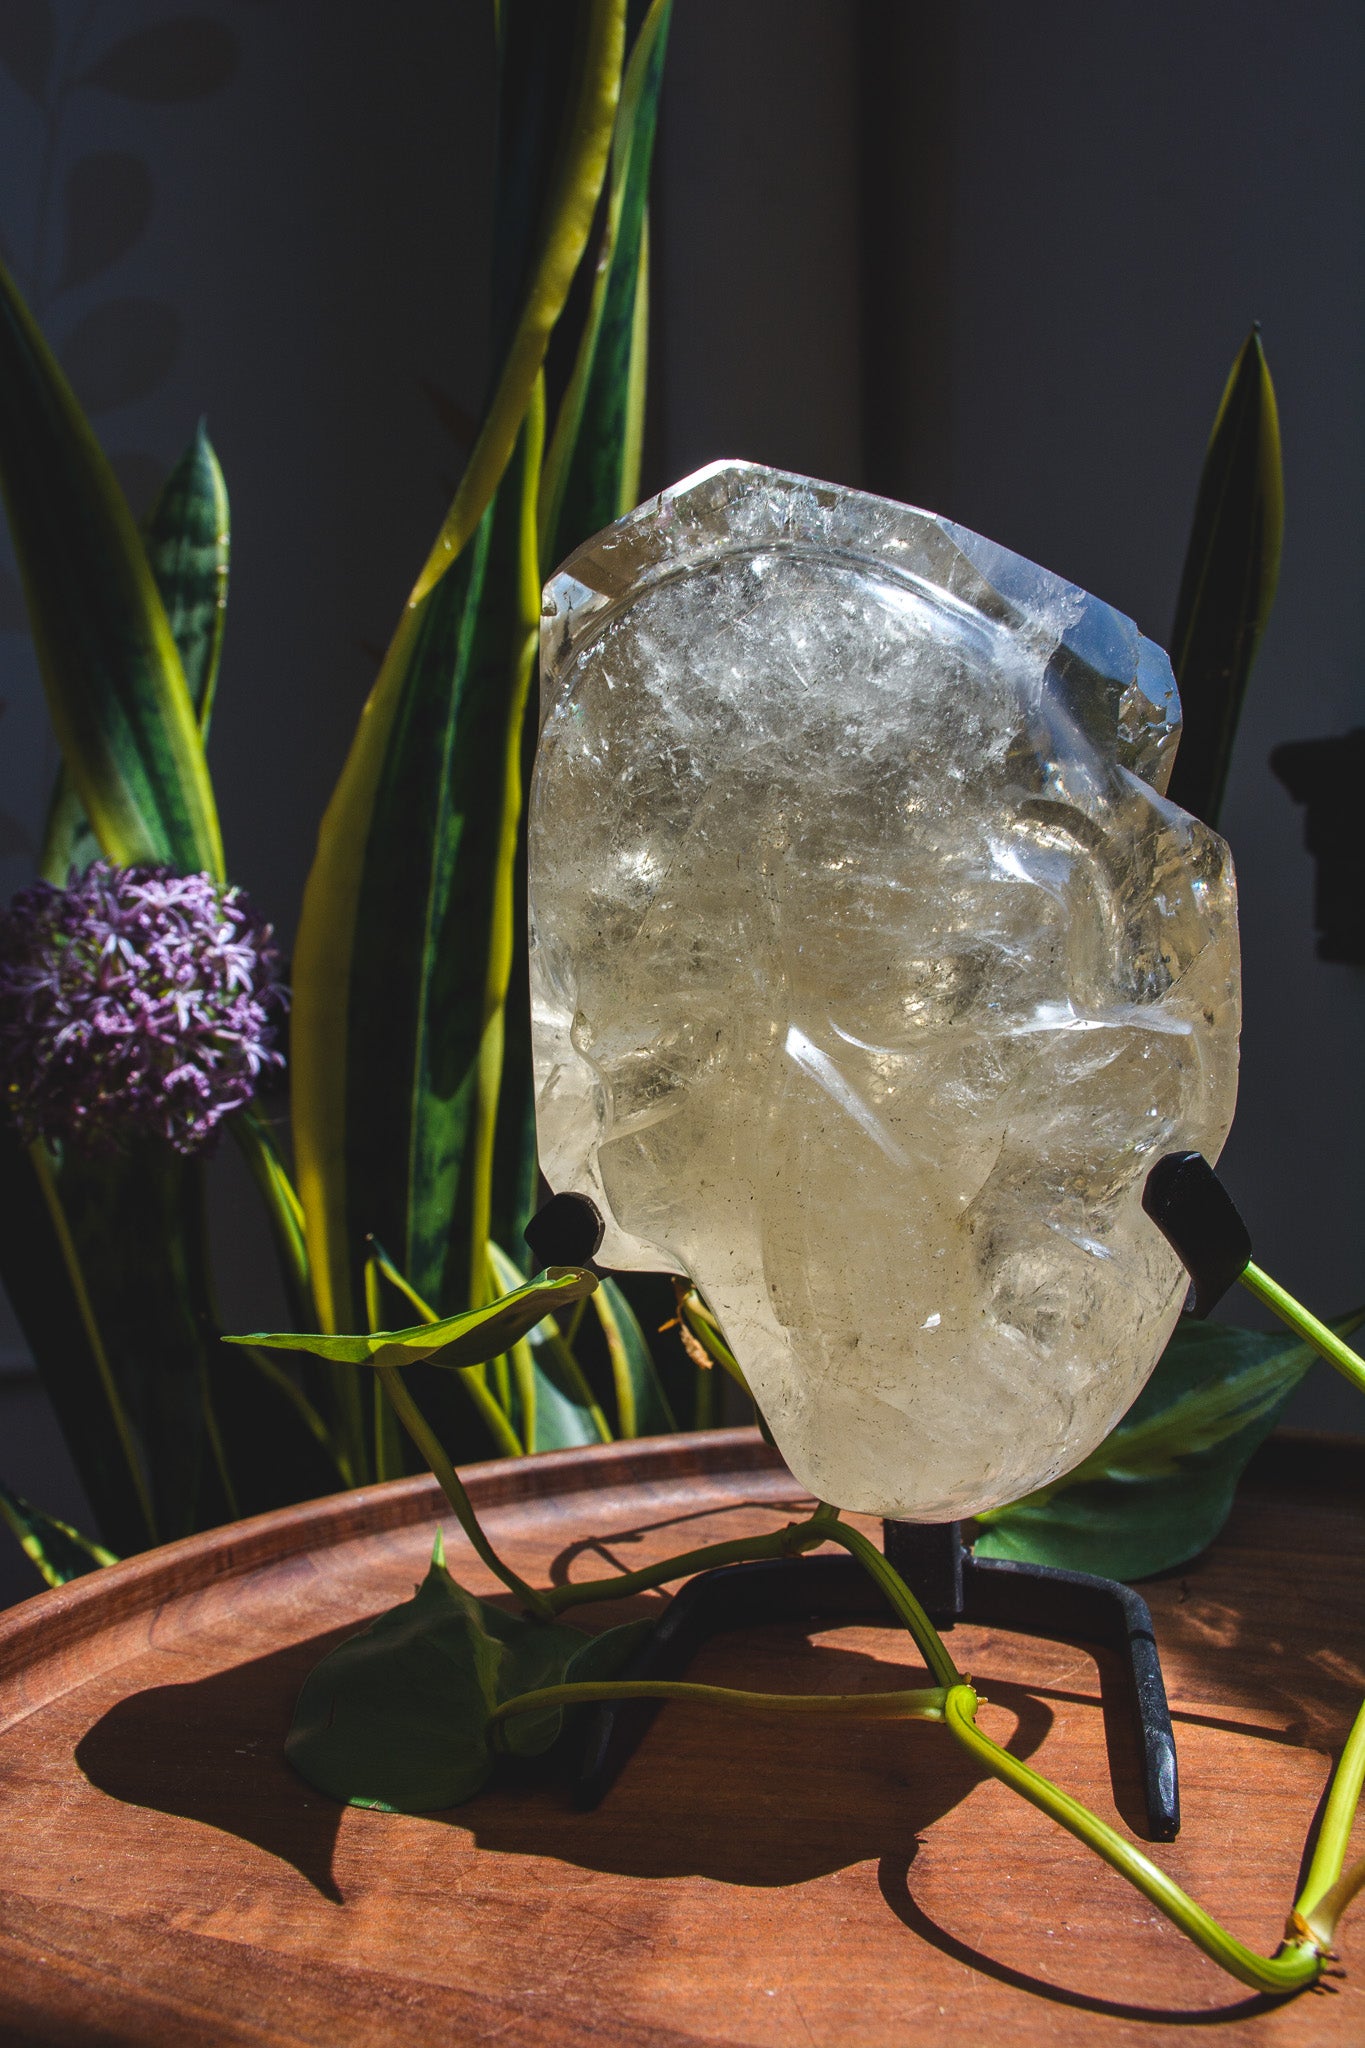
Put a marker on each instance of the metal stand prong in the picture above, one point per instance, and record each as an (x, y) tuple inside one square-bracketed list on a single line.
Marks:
[(953, 1586)]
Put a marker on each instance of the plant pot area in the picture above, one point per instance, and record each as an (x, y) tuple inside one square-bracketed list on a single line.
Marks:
[(166, 1877)]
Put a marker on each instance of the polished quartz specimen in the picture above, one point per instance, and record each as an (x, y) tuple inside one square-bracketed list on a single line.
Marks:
[(872, 972)]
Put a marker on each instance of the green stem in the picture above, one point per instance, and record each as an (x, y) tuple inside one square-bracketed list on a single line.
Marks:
[(388, 1463), (854, 1706), (350, 1423), (1298, 1963), (788, 1541), (622, 1383), (1306, 1325), (47, 1181), (575, 1376), (524, 1371), (907, 1607), (473, 1378), (208, 1320), (701, 1325), (1324, 1872), (429, 1444), (283, 1207)]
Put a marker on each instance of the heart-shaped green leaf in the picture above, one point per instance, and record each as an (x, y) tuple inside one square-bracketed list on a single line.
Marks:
[(1161, 1485), (114, 680), (397, 1717), (469, 1339)]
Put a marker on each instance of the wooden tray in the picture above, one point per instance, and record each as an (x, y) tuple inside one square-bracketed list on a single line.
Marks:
[(164, 1878)]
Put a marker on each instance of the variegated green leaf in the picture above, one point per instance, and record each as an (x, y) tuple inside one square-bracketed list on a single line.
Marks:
[(187, 549), (337, 982), (188, 544), (641, 1403), (1161, 1485), (554, 1406), (115, 685), (1228, 586), (593, 463), (60, 1552), (470, 1339)]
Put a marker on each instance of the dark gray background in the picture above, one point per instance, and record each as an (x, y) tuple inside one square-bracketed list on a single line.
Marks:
[(992, 258)]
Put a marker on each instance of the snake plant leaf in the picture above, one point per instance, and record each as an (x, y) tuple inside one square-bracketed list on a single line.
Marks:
[(456, 1341), (69, 842), (583, 130), (1228, 585), (114, 681), (397, 1717), (1160, 1487), (166, 1434), (332, 966), (555, 1408), (60, 1552), (641, 1404), (434, 914), (188, 543), (592, 469), (592, 474)]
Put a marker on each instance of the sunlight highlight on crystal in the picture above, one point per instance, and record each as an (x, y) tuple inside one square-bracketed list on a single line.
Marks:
[(871, 972)]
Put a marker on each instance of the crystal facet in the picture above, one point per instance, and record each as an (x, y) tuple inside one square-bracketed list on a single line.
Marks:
[(871, 972)]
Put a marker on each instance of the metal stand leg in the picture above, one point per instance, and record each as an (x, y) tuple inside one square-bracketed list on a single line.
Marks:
[(953, 1586)]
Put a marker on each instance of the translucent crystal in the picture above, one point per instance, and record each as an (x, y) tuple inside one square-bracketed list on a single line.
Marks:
[(871, 972)]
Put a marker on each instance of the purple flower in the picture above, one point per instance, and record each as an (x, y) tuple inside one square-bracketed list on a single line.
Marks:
[(134, 1003)]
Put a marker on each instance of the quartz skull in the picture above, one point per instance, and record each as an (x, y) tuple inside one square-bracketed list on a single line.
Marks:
[(872, 972)]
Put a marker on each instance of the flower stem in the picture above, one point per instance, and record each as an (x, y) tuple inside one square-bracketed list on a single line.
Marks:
[(47, 1181), (1306, 1325)]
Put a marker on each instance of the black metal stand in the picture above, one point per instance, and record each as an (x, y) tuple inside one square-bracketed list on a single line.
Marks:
[(952, 1586), (1192, 1209)]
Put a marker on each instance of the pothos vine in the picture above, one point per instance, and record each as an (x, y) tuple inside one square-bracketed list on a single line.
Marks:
[(950, 1702)]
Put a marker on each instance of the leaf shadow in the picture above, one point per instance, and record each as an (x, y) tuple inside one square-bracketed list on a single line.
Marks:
[(188, 58), (893, 1880), (27, 37), (212, 1751), (761, 1801), (108, 204)]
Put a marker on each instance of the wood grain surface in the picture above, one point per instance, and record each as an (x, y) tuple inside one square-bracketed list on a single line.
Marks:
[(165, 1879)]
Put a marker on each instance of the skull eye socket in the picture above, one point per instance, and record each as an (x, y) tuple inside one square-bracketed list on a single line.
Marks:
[(648, 1074)]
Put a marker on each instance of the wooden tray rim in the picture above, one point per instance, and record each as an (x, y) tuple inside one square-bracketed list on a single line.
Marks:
[(39, 1635)]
